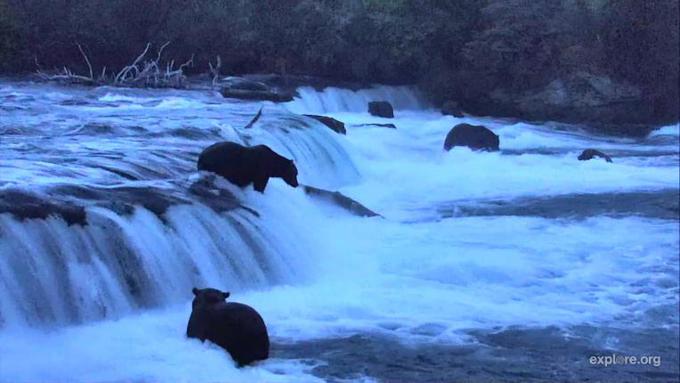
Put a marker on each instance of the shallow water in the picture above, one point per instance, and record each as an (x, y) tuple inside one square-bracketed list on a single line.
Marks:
[(480, 263)]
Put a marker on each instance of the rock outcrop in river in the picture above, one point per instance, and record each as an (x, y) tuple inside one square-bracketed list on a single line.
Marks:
[(475, 137)]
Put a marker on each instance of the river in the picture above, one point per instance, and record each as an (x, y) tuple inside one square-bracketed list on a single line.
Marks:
[(513, 265)]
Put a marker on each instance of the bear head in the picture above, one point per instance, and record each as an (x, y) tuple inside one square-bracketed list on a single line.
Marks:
[(207, 297), (290, 172)]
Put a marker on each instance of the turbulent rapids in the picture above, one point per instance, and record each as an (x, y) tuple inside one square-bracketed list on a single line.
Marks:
[(106, 225), (106, 214)]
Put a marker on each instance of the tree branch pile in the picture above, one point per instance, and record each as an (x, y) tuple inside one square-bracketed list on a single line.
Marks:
[(143, 72)]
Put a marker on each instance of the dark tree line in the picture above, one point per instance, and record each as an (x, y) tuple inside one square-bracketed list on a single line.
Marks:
[(458, 49)]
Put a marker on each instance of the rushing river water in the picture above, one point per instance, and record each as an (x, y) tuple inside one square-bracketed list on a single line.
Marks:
[(515, 265)]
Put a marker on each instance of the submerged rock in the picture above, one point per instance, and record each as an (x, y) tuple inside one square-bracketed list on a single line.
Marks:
[(242, 83), (589, 154), (290, 82), (342, 201), (381, 109), (330, 122), (389, 126), (475, 137), (241, 88), (69, 202), (26, 205)]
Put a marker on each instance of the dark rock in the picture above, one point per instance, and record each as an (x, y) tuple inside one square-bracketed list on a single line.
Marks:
[(25, 205), (69, 202), (290, 82), (389, 126), (236, 327), (599, 103), (241, 88), (341, 200), (332, 123), (241, 83), (256, 95), (589, 154), (242, 165), (452, 108), (585, 97), (475, 137), (381, 109), (218, 199), (121, 200)]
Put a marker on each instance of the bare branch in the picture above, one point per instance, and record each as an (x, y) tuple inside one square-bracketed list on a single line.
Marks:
[(87, 60), (188, 63), (127, 69), (160, 51), (215, 70)]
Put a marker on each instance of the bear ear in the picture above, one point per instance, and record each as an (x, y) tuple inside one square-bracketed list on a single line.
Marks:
[(226, 294), (195, 291)]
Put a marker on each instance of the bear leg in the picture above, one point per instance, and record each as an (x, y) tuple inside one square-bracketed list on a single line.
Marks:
[(261, 184)]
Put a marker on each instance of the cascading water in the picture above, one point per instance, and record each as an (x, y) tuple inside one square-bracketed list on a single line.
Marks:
[(53, 273), (147, 228), (105, 225), (333, 100)]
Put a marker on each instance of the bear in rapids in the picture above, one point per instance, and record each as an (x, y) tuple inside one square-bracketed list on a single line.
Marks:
[(235, 327)]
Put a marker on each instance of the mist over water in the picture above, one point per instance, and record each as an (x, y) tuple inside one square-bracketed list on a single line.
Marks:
[(106, 297)]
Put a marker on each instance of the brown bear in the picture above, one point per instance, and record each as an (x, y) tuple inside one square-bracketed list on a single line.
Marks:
[(242, 165), (235, 327)]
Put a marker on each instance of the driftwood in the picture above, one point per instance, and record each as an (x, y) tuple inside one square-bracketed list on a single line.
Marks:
[(143, 72), (66, 75)]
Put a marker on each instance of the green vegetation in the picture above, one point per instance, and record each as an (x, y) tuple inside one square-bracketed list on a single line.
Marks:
[(466, 50), (9, 38)]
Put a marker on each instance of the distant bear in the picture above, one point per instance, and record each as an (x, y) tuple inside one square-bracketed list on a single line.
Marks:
[(589, 154), (243, 165), (236, 327)]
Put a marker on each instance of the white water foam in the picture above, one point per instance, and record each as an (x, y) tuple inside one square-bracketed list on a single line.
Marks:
[(333, 100), (407, 169)]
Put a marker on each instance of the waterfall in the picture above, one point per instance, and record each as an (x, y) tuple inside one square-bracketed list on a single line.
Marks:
[(116, 223), (55, 273), (332, 100)]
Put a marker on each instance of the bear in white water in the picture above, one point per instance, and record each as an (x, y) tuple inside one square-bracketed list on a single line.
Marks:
[(236, 327)]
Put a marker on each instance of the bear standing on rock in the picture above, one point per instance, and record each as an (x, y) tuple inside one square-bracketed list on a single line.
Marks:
[(243, 165), (236, 327)]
